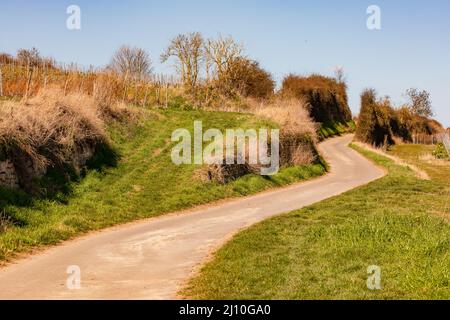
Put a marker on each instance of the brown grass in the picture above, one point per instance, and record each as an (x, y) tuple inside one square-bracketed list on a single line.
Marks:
[(52, 129), (298, 133), (290, 114)]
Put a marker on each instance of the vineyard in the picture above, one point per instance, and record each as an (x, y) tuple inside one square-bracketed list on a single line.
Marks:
[(24, 81)]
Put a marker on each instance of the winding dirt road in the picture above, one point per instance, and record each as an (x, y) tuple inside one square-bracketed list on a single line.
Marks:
[(151, 259)]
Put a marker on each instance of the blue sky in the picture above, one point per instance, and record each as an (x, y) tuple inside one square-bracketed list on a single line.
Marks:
[(411, 50)]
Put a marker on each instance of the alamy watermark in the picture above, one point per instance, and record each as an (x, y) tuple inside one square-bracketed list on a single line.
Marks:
[(73, 22), (235, 146), (374, 19), (73, 281), (374, 278)]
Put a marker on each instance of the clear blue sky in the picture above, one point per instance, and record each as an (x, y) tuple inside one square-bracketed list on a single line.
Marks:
[(411, 50)]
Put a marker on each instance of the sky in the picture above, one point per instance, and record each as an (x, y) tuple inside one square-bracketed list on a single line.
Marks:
[(412, 49)]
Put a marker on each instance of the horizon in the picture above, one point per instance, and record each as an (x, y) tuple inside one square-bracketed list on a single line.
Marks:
[(288, 37)]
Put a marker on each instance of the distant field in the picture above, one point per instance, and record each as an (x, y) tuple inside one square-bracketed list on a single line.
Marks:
[(399, 223), (145, 183)]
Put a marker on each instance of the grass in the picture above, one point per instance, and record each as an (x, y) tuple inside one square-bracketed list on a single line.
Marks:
[(331, 129), (399, 223), (421, 156), (143, 184)]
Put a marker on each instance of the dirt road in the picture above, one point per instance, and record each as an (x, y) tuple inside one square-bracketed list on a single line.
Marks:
[(151, 259)]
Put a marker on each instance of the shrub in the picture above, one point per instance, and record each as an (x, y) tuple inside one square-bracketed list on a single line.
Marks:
[(298, 132), (245, 77), (440, 152), (51, 130), (326, 97), (374, 124)]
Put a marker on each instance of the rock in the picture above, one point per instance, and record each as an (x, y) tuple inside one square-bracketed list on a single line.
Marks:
[(8, 175)]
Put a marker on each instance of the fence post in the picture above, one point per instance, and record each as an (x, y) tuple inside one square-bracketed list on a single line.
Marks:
[(1, 83), (167, 95), (30, 78), (146, 94)]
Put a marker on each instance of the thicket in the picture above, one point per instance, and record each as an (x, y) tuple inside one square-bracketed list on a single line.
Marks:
[(381, 124), (54, 131), (326, 96)]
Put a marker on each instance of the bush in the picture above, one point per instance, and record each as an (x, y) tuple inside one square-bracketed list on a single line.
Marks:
[(52, 131), (440, 152), (298, 132), (327, 98), (374, 124)]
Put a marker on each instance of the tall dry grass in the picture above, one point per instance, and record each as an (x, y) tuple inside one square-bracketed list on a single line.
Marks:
[(298, 133), (290, 114), (52, 129)]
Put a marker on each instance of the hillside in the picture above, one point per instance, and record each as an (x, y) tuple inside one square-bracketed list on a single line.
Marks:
[(143, 183)]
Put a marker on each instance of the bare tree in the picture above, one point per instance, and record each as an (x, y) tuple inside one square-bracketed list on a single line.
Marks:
[(131, 62), (30, 57), (187, 49), (420, 102), (222, 53), (339, 74)]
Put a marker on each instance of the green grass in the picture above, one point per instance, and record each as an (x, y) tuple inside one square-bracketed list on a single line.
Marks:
[(398, 223), (422, 157), (328, 130), (144, 184)]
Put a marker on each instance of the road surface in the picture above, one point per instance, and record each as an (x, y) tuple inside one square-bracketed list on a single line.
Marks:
[(152, 259)]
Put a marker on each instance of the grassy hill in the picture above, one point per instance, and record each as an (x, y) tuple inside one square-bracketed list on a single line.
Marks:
[(144, 183)]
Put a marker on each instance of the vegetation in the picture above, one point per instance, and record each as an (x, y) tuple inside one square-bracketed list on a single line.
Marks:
[(374, 120), (326, 96), (144, 183), (52, 131), (399, 223), (328, 130), (131, 62), (440, 152), (381, 124), (420, 102)]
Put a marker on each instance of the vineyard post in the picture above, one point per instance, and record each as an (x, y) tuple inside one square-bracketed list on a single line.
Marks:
[(167, 95), (146, 94), (30, 78), (1, 83)]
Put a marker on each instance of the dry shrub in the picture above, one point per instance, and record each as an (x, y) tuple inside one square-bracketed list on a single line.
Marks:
[(224, 173), (49, 130), (290, 114), (326, 97), (298, 133)]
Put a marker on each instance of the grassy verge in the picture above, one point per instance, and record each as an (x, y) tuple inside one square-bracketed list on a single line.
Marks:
[(421, 157), (399, 223), (328, 130), (143, 184)]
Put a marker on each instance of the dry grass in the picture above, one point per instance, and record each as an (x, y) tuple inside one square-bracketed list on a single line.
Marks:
[(52, 129), (49, 124), (291, 115), (298, 133)]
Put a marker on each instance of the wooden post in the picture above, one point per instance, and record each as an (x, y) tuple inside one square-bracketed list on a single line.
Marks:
[(146, 94), (1, 83), (167, 96), (30, 77), (65, 84)]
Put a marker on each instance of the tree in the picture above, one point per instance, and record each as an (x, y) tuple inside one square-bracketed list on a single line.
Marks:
[(188, 50), (29, 57), (339, 74), (245, 77), (131, 62), (374, 123), (220, 54), (420, 102)]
